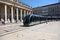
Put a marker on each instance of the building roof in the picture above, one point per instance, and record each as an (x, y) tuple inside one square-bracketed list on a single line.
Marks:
[(47, 5)]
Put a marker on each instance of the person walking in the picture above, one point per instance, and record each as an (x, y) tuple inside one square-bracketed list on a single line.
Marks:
[(46, 21)]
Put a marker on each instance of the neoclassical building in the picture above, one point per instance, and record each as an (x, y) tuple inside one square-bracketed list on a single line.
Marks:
[(51, 9), (13, 11)]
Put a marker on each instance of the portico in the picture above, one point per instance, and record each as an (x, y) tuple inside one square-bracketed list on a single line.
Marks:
[(13, 13)]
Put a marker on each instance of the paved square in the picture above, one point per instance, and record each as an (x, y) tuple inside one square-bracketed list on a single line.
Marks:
[(49, 31)]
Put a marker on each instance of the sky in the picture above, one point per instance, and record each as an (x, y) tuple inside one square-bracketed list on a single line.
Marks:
[(36, 3)]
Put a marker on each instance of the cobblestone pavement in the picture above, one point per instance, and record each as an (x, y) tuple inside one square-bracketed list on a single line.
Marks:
[(45, 31)]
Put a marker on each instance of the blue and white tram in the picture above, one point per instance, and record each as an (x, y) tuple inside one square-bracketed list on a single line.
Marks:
[(34, 18)]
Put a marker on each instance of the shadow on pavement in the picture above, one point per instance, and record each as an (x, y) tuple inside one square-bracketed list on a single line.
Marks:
[(31, 25), (24, 25)]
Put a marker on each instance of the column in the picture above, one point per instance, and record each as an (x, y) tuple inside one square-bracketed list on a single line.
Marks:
[(5, 13), (21, 14), (24, 13), (17, 13), (27, 12), (30, 12), (12, 19)]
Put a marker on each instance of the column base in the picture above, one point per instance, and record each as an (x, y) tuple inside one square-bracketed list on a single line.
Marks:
[(6, 22), (18, 21), (13, 21), (21, 20)]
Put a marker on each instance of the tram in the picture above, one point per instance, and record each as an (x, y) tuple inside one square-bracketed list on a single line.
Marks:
[(28, 19), (32, 18)]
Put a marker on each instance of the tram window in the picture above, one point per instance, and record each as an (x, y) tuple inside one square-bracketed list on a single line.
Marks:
[(34, 18)]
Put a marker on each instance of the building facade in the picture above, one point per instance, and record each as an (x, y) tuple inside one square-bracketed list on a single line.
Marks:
[(52, 10), (13, 11)]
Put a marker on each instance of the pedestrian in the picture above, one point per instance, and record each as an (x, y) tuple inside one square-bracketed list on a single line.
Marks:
[(46, 21)]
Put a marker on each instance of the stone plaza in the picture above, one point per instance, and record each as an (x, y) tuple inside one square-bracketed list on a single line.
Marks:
[(49, 31), (12, 13)]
